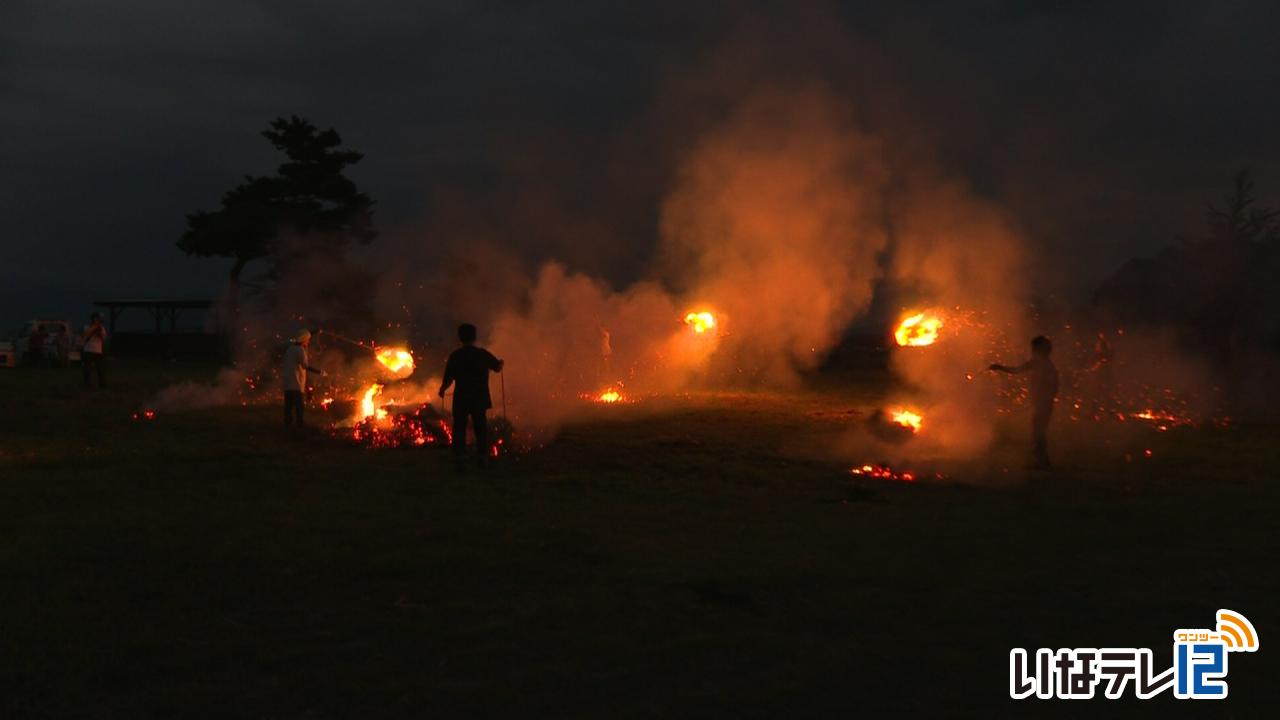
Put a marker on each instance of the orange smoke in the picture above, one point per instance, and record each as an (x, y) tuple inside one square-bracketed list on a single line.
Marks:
[(918, 330)]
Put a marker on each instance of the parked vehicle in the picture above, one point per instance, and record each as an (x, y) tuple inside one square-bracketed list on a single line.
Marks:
[(45, 342)]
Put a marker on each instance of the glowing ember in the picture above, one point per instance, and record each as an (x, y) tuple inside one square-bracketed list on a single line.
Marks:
[(423, 426), (609, 396), (1160, 419), (908, 419), (398, 360), (700, 321), (145, 415), (918, 330), (883, 472)]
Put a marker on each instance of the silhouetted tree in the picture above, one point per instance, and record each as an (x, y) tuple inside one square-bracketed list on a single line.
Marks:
[(1239, 220), (309, 199), (1215, 289)]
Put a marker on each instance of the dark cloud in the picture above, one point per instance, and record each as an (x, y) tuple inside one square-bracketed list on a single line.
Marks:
[(1101, 127)]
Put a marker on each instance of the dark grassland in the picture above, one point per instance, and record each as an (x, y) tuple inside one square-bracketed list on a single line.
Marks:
[(700, 556)]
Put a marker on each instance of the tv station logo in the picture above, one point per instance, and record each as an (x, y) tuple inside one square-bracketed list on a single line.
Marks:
[(1199, 669)]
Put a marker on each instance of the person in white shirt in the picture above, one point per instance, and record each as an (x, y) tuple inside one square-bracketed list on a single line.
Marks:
[(91, 353), (293, 376)]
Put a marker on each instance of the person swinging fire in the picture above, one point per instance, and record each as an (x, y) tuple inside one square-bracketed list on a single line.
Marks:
[(1044, 391)]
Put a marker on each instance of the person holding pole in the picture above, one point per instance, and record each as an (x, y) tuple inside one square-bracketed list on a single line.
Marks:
[(1044, 392), (293, 376), (468, 369)]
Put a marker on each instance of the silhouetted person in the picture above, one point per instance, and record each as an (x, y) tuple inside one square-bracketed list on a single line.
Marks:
[(1102, 366), (469, 367), (606, 353), (92, 350), (1044, 390), (293, 376), (35, 347)]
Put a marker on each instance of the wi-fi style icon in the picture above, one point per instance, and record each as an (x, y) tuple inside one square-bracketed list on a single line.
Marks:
[(1236, 631)]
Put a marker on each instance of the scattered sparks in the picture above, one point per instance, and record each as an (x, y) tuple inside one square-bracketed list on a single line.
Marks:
[(701, 322), (918, 330)]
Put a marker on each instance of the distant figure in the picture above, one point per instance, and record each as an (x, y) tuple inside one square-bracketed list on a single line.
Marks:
[(91, 353), (1102, 366), (1044, 390), (606, 352), (293, 376), (35, 346), (469, 367), (60, 347)]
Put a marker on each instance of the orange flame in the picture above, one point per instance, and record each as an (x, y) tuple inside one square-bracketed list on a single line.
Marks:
[(918, 330), (700, 321), (368, 408), (396, 359), (609, 396), (908, 419)]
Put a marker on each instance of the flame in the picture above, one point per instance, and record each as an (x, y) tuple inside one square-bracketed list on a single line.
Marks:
[(396, 359), (368, 408), (908, 419), (700, 321), (918, 330), (609, 396)]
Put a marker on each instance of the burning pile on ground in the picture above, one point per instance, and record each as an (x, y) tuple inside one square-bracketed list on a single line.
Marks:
[(609, 396), (402, 428), (393, 411)]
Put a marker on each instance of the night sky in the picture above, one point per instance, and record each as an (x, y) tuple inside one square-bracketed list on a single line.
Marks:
[(1102, 130)]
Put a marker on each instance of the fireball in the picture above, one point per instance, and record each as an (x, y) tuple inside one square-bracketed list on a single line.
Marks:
[(918, 330), (701, 322), (908, 419), (398, 360)]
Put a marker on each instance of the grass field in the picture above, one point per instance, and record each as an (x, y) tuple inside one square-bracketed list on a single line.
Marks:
[(699, 556)]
